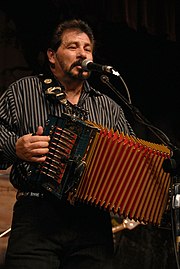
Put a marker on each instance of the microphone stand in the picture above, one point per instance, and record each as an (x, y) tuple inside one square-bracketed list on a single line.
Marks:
[(171, 165)]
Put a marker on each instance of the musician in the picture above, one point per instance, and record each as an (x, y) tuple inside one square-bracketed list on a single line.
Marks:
[(47, 232)]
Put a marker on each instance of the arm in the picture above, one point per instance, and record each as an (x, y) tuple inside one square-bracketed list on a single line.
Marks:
[(8, 136), (15, 143)]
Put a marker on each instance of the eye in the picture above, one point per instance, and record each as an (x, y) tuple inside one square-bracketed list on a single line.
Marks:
[(88, 48), (72, 46)]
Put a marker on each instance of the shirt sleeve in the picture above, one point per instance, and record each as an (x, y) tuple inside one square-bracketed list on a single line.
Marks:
[(8, 127)]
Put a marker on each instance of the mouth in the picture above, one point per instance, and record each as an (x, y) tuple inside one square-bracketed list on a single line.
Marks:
[(77, 64), (79, 67)]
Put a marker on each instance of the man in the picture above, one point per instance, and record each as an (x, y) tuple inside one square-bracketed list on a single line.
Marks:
[(48, 232)]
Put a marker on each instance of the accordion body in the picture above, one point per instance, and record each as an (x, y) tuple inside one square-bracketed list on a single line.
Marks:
[(116, 172)]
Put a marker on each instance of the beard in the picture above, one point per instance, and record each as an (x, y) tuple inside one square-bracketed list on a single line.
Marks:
[(69, 72)]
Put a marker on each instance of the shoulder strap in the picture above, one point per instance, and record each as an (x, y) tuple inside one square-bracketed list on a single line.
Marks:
[(53, 89)]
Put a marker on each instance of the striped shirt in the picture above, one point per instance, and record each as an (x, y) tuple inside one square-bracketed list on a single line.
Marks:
[(24, 106)]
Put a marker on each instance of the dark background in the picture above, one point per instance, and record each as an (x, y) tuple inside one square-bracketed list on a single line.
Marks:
[(148, 59), (146, 56)]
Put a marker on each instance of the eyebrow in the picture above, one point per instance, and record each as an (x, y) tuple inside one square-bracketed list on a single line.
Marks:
[(66, 43)]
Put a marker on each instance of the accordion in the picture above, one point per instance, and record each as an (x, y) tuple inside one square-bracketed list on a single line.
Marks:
[(116, 172)]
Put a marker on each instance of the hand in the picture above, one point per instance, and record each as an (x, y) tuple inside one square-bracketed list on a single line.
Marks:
[(33, 148)]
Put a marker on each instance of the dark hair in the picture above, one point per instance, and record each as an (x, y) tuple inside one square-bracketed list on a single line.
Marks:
[(56, 39)]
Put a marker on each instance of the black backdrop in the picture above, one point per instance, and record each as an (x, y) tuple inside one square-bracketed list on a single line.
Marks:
[(148, 63)]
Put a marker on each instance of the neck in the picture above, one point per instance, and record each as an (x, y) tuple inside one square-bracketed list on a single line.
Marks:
[(73, 88), (73, 92)]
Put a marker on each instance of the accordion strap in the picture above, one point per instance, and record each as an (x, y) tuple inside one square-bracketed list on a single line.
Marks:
[(53, 89)]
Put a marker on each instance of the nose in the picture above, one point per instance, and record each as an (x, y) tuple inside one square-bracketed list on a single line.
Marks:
[(82, 52)]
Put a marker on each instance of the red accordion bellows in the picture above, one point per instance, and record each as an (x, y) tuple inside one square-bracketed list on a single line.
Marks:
[(125, 175)]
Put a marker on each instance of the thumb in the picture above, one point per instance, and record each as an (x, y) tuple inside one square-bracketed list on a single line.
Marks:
[(39, 130)]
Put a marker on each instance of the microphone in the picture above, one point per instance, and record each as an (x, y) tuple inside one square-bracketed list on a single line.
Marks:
[(88, 65)]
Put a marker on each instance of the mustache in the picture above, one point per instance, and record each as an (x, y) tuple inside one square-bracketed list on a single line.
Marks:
[(77, 63)]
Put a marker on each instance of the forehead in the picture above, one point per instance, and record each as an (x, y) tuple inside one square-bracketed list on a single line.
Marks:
[(75, 35)]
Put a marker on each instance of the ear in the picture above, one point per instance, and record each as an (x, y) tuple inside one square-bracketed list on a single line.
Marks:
[(51, 55)]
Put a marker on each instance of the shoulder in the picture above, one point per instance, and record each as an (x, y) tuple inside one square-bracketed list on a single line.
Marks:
[(26, 80), (23, 85), (106, 100), (99, 94)]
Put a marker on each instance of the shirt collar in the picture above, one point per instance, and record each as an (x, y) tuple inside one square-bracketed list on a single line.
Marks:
[(89, 89)]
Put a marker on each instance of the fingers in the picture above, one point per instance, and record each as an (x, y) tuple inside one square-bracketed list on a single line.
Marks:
[(32, 148), (38, 159), (38, 142), (37, 152)]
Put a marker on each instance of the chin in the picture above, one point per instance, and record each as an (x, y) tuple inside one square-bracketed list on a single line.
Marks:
[(81, 75), (85, 74)]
